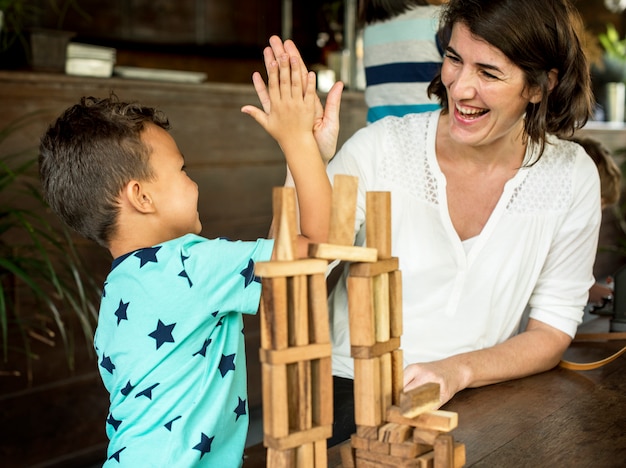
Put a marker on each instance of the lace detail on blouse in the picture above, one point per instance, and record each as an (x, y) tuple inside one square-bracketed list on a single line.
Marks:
[(548, 185), (405, 163)]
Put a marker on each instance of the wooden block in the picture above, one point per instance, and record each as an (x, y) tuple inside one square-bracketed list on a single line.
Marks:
[(294, 354), (438, 420), (321, 454), (444, 451), (298, 438), (397, 375), (322, 383), (378, 222), (349, 253), (299, 396), (299, 373), (359, 442), (318, 310), (297, 311), (367, 392), (285, 223), (305, 455), (274, 313), (302, 267), (367, 432), (383, 460), (419, 399), (395, 303), (386, 395), (459, 455), (425, 436), (347, 455), (376, 350), (281, 458), (380, 285), (409, 449), (343, 210), (376, 268), (426, 460), (361, 312), (379, 447), (275, 406), (394, 433)]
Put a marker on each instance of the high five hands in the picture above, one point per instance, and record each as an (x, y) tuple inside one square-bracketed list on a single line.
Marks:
[(325, 120)]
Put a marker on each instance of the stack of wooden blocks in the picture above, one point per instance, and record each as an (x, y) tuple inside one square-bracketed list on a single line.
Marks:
[(394, 428)]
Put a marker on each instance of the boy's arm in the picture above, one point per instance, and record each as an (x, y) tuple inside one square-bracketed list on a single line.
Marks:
[(289, 120)]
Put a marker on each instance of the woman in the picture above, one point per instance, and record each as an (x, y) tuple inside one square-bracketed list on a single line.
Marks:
[(492, 210)]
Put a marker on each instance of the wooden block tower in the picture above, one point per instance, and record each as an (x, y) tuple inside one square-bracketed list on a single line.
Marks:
[(295, 348), (394, 428)]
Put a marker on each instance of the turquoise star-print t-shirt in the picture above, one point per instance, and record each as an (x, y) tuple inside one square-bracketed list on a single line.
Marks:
[(170, 349)]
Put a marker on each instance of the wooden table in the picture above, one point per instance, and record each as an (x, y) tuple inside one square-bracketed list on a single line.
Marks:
[(560, 418)]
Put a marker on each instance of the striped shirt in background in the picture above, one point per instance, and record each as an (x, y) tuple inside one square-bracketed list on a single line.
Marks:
[(401, 56)]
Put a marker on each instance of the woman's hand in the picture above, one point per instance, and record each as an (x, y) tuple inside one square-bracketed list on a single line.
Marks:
[(447, 376)]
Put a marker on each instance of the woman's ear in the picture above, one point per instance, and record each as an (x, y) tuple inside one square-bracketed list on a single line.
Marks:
[(138, 198), (553, 79)]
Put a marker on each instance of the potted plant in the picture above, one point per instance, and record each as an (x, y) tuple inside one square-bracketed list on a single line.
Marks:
[(44, 287), (44, 47), (614, 53)]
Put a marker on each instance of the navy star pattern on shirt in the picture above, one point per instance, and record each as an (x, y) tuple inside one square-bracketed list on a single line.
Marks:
[(107, 364), (183, 274), (168, 425), (145, 338), (120, 313), (202, 351), (147, 255), (205, 445), (248, 274), (147, 392), (227, 363), (127, 389), (115, 423), (163, 334), (241, 408), (116, 455)]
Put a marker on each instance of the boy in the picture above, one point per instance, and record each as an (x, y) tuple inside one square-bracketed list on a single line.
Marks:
[(169, 337)]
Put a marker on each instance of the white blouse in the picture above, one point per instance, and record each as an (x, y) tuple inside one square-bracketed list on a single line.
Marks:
[(537, 248)]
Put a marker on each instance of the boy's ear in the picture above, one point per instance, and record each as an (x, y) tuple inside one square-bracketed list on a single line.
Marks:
[(138, 198)]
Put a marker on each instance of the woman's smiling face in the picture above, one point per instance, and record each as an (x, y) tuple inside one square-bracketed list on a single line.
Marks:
[(487, 93)]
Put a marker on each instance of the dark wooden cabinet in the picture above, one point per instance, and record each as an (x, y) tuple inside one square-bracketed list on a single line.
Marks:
[(239, 23)]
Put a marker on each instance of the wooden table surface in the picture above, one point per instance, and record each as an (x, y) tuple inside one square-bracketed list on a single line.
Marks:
[(560, 418)]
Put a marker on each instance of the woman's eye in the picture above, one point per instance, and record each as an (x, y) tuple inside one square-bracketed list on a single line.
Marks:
[(489, 76), (453, 58)]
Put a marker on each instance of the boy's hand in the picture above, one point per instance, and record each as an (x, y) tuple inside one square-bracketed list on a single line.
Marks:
[(326, 122), (289, 112)]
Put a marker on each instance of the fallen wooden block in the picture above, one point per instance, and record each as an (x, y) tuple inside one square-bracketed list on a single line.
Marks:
[(419, 399), (439, 420)]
